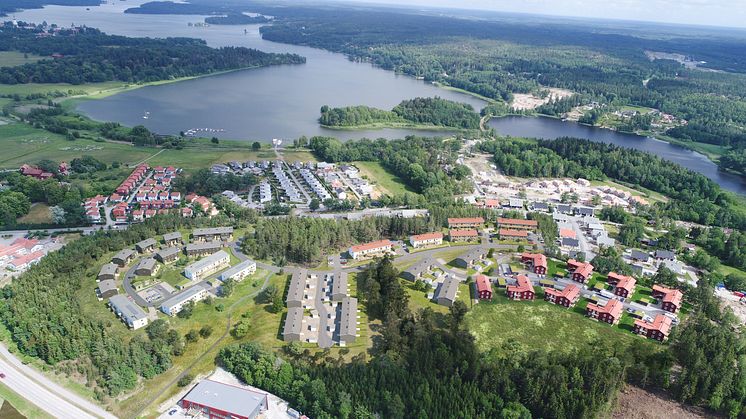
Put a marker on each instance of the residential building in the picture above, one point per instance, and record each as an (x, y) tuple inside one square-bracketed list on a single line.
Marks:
[(455, 235), (292, 331), (539, 206), (447, 291), (489, 203), (581, 271), (610, 313), (379, 247), (508, 234), (537, 261), (213, 234), (522, 290), (570, 242), (639, 255), (108, 271), (624, 286), (427, 239), (168, 255), (239, 272), (664, 255), (207, 266), (296, 291), (130, 313), (123, 257), (202, 249), (348, 321), (172, 239), (419, 269), (517, 224), (468, 260), (146, 267), (670, 298), (146, 246), (107, 288), (658, 329), (484, 287), (466, 223), (217, 400), (566, 297), (176, 303), (339, 286)]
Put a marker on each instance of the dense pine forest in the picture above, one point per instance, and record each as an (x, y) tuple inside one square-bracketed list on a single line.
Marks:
[(88, 55)]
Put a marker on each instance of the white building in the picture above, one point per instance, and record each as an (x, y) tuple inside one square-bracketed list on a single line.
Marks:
[(239, 272), (372, 248), (175, 304), (130, 313), (427, 239), (207, 266)]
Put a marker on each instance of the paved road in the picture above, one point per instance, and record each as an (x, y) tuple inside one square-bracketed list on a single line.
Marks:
[(44, 393)]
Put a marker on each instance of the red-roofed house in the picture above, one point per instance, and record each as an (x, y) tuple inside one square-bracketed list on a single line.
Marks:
[(484, 288), (137, 215), (35, 172), (567, 233), (115, 197), (427, 239), (610, 313), (658, 329), (462, 235), (176, 196), (22, 262), (517, 224), (506, 233), (625, 287), (581, 271), (370, 249), (538, 262), (523, 290), (468, 223), (671, 297), (64, 169), (566, 297), (489, 203), (149, 213), (187, 212)]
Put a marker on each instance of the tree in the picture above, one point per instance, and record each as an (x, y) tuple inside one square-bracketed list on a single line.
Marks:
[(186, 311), (315, 204), (227, 288), (185, 380), (214, 140), (192, 336), (205, 331), (256, 146), (458, 311)]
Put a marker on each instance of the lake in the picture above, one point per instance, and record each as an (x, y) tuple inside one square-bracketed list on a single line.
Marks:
[(284, 101)]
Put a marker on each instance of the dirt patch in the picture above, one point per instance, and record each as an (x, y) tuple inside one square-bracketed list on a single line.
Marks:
[(523, 101), (634, 402)]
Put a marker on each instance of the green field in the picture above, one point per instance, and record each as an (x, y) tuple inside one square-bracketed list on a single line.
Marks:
[(537, 324), (14, 58), (39, 214), (385, 181), (68, 89)]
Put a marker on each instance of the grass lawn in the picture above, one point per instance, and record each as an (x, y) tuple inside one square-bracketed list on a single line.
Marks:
[(542, 325), (83, 89), (15, 58), (39, 214), (385, 181)]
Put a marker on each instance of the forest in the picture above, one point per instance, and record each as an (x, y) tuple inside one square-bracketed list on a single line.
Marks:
[(86, 55), (427, 365), (421, 111)]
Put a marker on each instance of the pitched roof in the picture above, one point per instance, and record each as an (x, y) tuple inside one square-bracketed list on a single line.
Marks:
[(372, 245), (516, 221), (471, 220), (513, 233), (426, 236), (567, 232), (661, 323), (612, 307), (463, 233), (522, 285), (483, 283), (570, 292)]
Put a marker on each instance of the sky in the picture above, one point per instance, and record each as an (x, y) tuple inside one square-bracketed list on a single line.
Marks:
[(730, 13)]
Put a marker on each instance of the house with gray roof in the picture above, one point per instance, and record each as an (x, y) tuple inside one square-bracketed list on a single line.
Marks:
[(172, 239), (468, 260), (123, 257), (639, 255), (292, 331), (146, 267), (239, 272), (146, 246), (176, 303), (212, 234), (539, 206), (108, 271), (447, 291), (296, 290), (207, 266), (339, 286), (168, 254), (419, 269), (202, 249), (130, 313), (348, 321), (665, 255), (570, 242), (564, 209), (107, 288)]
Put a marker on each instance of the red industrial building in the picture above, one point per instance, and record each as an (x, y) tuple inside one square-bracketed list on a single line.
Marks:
[(218, 400)]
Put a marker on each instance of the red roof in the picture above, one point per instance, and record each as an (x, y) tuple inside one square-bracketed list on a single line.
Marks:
[(463, 233), (567, 232), (538, 259), (426, 236), (483, 283), (626, 283), (582, 268), (516, 221), (612, 307), (22, 260), (513, 233), (661, 323), (490, 203), (472, 220), (570, 292), (522, 285), (670, 295), (372, 245), (614, 277)]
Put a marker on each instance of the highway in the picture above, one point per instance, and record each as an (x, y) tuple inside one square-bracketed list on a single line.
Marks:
[(44, 393)]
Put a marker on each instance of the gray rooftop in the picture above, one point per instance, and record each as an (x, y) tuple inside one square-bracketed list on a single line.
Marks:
[(172, 236), (124, 254), (339, 284), (202, 246), (448, 289), (147, 263), (146, 243), (212, 231), (569, 241), (422, 266), (107, 285), (293, 321), (227, 398), (475, 254), (126, 308), (236, 269), (664, 254), (297, 283), (639, 255), (539, 205), (209, 260), (168, 252), (183, 296), (348, 319), (108, 269)]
